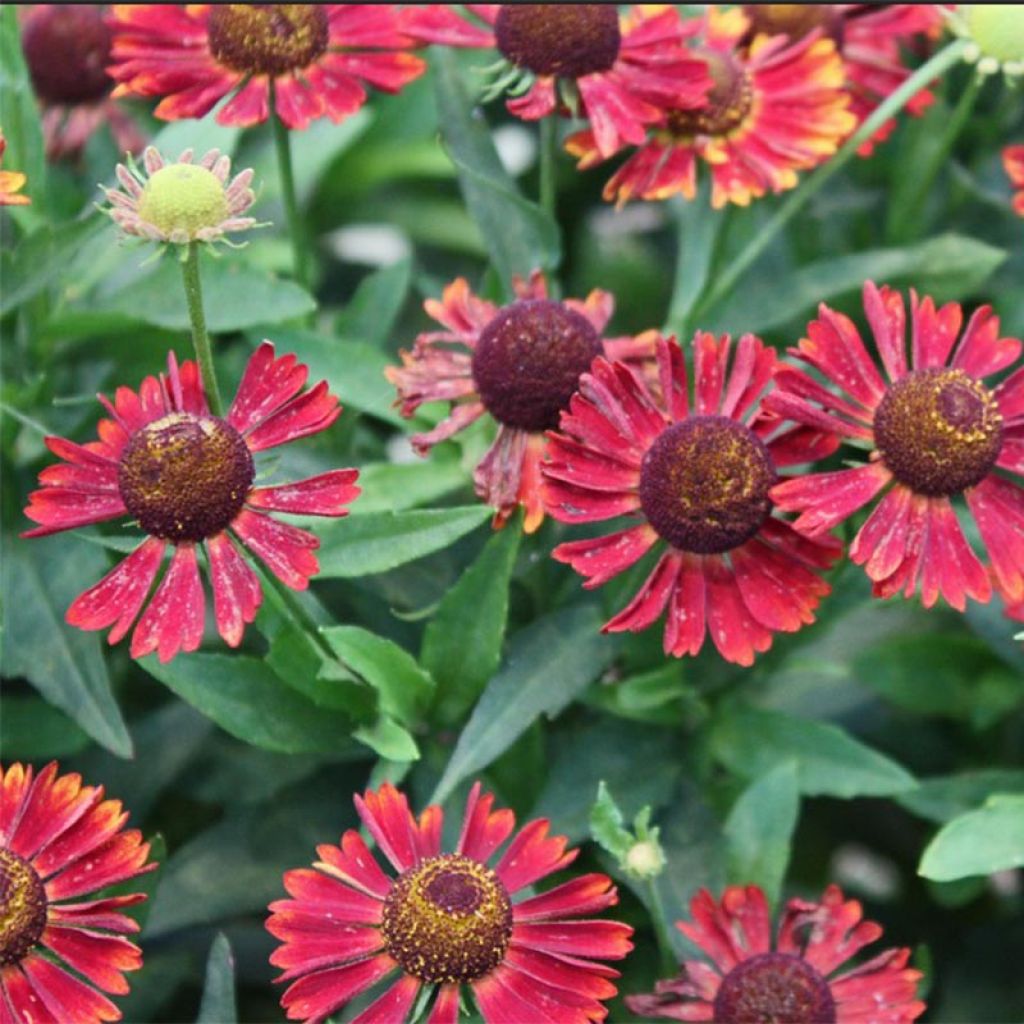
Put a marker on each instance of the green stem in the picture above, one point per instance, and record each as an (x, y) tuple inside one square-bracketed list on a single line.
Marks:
[(548, 154), (200, 339), (893, 104), (670, 961), (699, 227), (283, 145)]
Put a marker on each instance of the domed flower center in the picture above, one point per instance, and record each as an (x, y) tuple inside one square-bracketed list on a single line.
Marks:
[(183, 198), (774, 988), (447, 920), (185, 477), (568, 40), (704, 484), (725, 106), (939, 431), (528, 362), (997, 30), (793, 20), (22, 907), (67, 49), (268, 39)]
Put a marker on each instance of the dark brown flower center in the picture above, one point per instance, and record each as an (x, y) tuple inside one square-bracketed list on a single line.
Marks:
[(268, 39), (185, 477), (528, 362), (794, 20), (939, 431), (704, 484), (67, 49), (774, 988), (447, 920), (22, 907), (568, 40), (726, 104)]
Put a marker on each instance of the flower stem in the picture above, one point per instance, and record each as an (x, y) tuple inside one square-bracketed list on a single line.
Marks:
[(893, 104), (657, 908), (283, 145), (698, 228), (200, 339), (548, 154)]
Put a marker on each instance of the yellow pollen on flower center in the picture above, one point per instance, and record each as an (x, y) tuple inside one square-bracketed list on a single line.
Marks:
[(268, 39), (22, 907), (725, 107), (185, 477), (939, 431), (447, 920), (183, 198)]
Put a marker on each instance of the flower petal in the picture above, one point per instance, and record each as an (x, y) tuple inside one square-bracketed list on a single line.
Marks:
[(174, 620), (323, 495)]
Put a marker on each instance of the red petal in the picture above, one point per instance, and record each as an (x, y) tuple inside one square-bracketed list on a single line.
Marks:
[(67, 998), (98, 913), (826, 499), (323, 495), (102, 959), (933, 331), (888, 319), (319, 994), (825, 934), (174, 620), (18, 1002), (778, 591), (602, 558), (267, 384), (394, 1005), (312, 941), (287, 551), (710, 358), (249, 106), (752, 370), (685, 623), (236, 588), (881, 543), (324, 892), (604, 940), (15, 784), (118, 859), (981, 351), (586, 894), (387, 817), (998, 509), (732, 931), (533, 855), (306, 414), (63, 508), (650, 600), (834, 345), (51, 807), (483, 831), (354, 864), (734, 631)]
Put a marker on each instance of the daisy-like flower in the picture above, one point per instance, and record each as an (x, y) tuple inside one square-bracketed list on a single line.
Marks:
[(187, 478), (935, 431), (315, 60), (448, 920), (11, 183), (181, 202), (871, 40), (1013, 162), (519, 364), (775, 108), (799, 978), (67, 47), (61, 841), (618, 70), (698, 478)]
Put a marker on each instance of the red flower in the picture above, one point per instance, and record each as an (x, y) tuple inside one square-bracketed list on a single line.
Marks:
[(1013, 161), (935, 431), (447, 920), (619, 69), (61, 841), (699, 481), (316, 57), (11, 183), (67, 47), (796, 980), (186, 477), (522, 365), (775, 108)]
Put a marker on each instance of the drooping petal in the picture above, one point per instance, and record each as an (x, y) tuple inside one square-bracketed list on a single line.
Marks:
[(685, 624), (734, 630), (825, 499), (881, 543), (237, 594), (998, 508), (649, 601), (602, 558), (64, 996), (394, 1005), (102, 959), (174, 620), (286, 550), (825, 934)]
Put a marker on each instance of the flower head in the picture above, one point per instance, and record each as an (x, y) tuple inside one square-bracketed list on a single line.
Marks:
[(996, 34), (181, 202), (187, 478), (61, 841), (11, 183), (307, 60), (67, 48), (936, 431), (774, 108), (617, 70), (1013, 162), (447, 920), (699, 480), (796, 979), (519, 364)]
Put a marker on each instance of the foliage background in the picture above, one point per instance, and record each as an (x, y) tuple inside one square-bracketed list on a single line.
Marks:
[(838, 757)]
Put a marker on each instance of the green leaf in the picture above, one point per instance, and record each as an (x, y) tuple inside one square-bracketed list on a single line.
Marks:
[(40, 578), (32, 730), (519, 236), (551, 662), (218, 1005), (236, 296), (405, 689), (354, 370), (364, 545), (389, 740), (607, 826), (462, 643), (945, 797), (19, 114), (949, 265), (245, 698), (829, 762), (371, 313), (979, 842), (759, 830), (395, 487)]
